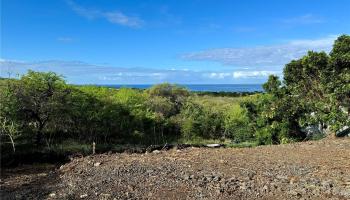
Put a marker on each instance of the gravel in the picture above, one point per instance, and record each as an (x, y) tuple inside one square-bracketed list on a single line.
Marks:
[(308, 170)]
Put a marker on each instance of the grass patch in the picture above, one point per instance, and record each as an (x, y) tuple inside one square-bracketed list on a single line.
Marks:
[(69, 146), (202, 141), (242, 145), (227, 143)]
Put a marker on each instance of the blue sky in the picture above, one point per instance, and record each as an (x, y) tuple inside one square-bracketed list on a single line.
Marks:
[(152, 41)]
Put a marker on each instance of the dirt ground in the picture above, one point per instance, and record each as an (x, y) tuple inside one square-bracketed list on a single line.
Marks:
[(308, 170)]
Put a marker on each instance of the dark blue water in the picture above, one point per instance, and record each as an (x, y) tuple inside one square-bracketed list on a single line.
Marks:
[(206, 87)]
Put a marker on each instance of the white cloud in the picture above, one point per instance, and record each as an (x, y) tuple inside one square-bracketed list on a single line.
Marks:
[(84, 73), (273, 55), (218, 75), (304, 20), (251, 74), (119, 18), (241, 74), (318, 44), (115, 17)]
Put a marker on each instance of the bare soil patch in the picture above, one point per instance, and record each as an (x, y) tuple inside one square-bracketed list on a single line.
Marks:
[(308, 170)]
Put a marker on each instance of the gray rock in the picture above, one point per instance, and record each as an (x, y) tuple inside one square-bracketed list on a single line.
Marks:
[(214, 145), (186, 177), (265, 189), (156, 151), (216, 178)]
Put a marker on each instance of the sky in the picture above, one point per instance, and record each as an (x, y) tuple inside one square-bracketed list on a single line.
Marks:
[(154, 41)]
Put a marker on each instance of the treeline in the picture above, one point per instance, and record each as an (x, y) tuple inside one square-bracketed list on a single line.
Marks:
[(225, 94), (42, 110)]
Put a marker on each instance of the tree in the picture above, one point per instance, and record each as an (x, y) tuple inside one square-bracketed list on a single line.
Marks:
[(315, 92), (274, 116), (10, 129), (321, 82), (340, 73), (177, 95), (272, 85), (40, 98)]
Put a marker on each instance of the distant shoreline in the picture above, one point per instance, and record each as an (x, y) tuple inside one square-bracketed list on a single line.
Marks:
[(197, 87)]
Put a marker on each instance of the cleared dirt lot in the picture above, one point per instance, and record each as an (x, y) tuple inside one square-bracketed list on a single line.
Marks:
[(308, 170)]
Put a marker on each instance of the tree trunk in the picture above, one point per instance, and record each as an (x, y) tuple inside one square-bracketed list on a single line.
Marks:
[(13, 143)]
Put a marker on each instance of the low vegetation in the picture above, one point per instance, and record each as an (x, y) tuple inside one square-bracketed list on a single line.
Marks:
[(41, 112)]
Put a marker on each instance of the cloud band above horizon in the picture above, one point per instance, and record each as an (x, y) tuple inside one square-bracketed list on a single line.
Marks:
[(272, 55), (79, 72)]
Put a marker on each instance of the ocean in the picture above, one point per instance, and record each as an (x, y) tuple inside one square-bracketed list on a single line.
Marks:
[(205, 87)]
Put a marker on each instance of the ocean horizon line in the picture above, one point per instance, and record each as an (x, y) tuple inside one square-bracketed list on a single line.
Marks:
[(196, 87)]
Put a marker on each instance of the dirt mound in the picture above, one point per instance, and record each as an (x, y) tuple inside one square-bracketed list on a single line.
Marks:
[(309, 170)]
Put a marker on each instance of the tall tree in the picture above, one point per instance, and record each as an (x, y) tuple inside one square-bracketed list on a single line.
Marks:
[(41, 98)]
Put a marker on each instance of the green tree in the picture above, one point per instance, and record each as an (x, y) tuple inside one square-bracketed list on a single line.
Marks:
[(272, 85), (321, 82), (177, 95), (339, 87), (315, 92), (40, 99)]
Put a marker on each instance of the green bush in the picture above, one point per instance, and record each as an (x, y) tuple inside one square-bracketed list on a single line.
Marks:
[(237, 124)]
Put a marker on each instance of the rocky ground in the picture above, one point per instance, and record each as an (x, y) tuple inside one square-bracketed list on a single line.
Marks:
[(308, 170)]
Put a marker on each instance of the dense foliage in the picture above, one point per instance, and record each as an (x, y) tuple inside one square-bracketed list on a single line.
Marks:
[(314, 97), (42, 110)]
